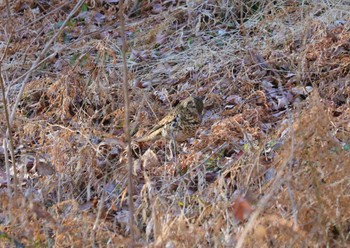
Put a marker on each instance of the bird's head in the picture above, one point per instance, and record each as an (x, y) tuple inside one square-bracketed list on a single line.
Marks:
[(195, 105)]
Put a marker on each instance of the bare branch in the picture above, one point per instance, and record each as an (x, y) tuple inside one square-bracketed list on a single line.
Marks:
[(127, 123), (8, 124), (40, 57)]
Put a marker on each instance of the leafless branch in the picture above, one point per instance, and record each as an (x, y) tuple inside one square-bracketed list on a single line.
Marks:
[(263, 202), (127, 123), (40, 57), (8, 124), (8, 9)]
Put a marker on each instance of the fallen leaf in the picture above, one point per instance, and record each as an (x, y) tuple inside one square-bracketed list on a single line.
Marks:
[(241, 209)]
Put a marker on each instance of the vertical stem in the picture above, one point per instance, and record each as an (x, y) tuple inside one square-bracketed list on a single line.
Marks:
[(127, 122), (8, 9), (9, 133)]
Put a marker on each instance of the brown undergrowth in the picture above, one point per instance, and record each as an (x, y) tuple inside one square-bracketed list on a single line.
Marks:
[(275, 81)]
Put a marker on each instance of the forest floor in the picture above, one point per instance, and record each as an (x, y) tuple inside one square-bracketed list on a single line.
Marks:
[(268, 167)]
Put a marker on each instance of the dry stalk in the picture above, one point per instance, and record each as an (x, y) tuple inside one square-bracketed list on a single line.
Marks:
[(44, 16), (7, 165), (99, 212), (8, 124), (8, 9), (290, 193), (127, 123), (263, 202), (40, 57), (194, 168)]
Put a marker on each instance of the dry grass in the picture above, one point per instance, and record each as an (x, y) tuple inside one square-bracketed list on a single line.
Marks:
[(273, 146)]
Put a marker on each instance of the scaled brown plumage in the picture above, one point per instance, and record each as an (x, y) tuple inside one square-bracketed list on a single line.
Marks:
[(180, 124)]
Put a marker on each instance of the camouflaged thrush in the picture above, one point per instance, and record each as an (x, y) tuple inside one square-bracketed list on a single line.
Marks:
[(180, 124)]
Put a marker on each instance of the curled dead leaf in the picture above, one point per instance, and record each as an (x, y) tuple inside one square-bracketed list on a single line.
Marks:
[(241, 209)]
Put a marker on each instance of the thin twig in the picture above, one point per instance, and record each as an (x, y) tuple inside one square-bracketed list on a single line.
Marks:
[(99, 213), (9, 132), (44, 16), (127, 123), (7, 166), (8, 9), (40, 57), (263, 202), (8, 124), (295, 211), (33, 68), (194, 168)]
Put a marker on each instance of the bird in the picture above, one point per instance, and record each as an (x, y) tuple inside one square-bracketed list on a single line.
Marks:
[(180, 124)]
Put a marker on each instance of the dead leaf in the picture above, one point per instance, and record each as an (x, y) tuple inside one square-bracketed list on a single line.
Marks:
[(150, 159), (241, 209)]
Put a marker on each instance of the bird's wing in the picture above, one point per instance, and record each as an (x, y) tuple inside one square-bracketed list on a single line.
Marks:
[(156, 131), (151, 136), (167, 119)]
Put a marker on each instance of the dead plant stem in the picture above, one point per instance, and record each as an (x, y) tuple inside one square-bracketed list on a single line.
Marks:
[(44, 16), (8, 124), (127, 124), (194, 168), (290, 193), (266, 198), (9, 132), (8, 9), (40, 57)]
